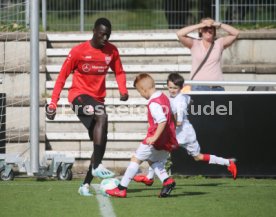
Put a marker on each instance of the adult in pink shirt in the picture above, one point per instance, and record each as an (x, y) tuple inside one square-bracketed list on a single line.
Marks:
[(211, 70)]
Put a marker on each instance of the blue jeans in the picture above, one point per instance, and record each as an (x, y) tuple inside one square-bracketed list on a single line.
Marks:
[(207, 88)]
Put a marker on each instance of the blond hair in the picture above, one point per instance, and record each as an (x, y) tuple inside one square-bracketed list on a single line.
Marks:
[(144, 77)]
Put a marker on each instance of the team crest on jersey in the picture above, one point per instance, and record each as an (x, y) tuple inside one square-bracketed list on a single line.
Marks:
[(86, 67), (107, 59)]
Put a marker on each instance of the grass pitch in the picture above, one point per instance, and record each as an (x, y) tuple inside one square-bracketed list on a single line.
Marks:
[(193, 197)]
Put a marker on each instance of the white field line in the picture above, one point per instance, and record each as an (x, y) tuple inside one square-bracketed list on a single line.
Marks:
[(104, 203)]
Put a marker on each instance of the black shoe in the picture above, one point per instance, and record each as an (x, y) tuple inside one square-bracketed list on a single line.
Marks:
[(168, 186)]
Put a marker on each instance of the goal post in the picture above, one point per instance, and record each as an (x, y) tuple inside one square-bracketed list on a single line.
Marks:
[(34, 93)]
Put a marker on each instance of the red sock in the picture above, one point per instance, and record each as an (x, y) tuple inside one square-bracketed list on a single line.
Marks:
[(206, 157)]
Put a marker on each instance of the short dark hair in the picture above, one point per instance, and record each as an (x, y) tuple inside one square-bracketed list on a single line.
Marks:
[(176, 78), (102, 21)]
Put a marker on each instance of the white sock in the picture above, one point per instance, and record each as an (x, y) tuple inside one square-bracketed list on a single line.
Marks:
[(150, 173), (130, 172), (160, 171), (218, 160)]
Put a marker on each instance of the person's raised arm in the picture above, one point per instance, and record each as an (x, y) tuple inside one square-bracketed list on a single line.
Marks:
[(233, 33), (182, 34)]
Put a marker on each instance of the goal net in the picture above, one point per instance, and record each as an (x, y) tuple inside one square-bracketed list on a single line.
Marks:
[(14, 78)]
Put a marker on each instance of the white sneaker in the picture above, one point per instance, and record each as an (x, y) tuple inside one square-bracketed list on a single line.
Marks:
[(102, 172), (84, 190)]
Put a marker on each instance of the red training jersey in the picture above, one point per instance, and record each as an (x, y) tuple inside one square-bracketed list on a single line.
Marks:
[(167, 140), (89, 67)]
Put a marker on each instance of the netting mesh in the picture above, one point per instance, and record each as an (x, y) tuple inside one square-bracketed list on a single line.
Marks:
[(14, 76)]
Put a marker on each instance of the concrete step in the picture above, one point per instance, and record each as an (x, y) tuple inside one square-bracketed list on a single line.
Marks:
[(129, 76), (135, 60), (108, 84), (80, 136), (109, 155), (109, 101), (112, 87), (117, 123), (72, 118), (158, 71), (167, 68), (20, 135), (116, 36), (12, 83), (138, 68), (138, 40), (170, 55), (18, 118), (135, 108), (120, 44), (243, 72), (82, 145), (159, 51), (110, 93), (113, 127), (162, 77)]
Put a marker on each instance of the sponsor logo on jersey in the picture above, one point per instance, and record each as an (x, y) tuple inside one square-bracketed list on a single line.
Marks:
[(107, 59), (86, 67), (88, 57)]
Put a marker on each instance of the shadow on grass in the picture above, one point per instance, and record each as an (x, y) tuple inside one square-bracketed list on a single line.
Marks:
[(143, 189), (210, 185), (177, 186), (173, 195), (187, 194), (203, 185)]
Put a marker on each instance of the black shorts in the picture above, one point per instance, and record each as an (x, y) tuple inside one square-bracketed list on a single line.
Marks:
[(86, 107)]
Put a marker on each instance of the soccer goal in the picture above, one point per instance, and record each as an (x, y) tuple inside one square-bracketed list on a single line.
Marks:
[(15, 85), (22, 95)]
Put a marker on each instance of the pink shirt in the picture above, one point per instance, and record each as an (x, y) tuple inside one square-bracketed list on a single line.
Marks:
[(211, 70)]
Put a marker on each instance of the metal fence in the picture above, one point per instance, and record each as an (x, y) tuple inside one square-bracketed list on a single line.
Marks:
[(79, 15), (14, 13), (247, 11)]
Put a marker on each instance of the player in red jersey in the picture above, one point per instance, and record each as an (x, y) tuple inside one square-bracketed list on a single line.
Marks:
[(89, 62), (160, 139)]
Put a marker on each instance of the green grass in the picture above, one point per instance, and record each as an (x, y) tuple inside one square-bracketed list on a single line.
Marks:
[(193, 197)]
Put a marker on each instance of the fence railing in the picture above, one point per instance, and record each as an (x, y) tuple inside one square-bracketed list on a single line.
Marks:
[(79, 15)]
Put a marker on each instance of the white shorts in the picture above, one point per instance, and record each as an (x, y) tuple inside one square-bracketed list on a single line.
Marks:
[(185, 133), (192, 148), (186, 138), (148, 152)]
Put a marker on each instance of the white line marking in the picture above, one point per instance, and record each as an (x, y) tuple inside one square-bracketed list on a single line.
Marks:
[(104, 203)]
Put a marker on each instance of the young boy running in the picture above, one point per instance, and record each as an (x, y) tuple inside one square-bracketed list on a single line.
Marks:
[(185, 132), (160, 139)]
